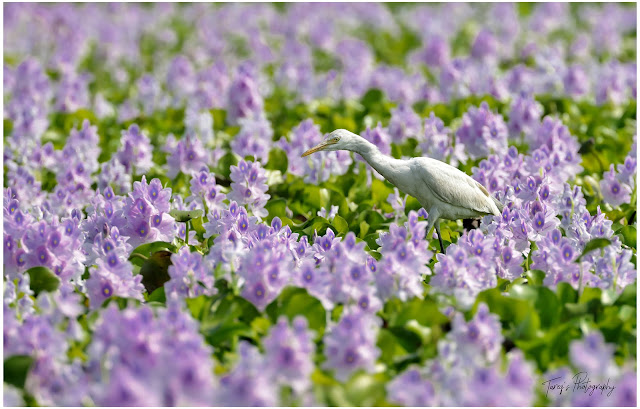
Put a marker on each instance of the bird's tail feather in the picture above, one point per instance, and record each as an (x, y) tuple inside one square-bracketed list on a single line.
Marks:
[(499, 204)]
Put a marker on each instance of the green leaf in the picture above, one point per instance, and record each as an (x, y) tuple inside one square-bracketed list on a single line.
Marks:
[(227, 332), (276, 207), (42, 279), (185, 215), (155, 270), (535, 277), (628, 235), (341, 225), (158, 296), (594, 244), (198, 306), (148, 249), (16, 369), (278, 160)]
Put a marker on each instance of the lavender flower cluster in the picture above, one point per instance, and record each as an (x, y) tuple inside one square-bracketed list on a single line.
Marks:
[(79, 202)]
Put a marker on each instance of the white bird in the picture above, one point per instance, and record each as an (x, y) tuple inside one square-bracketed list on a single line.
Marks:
[(443, 190)]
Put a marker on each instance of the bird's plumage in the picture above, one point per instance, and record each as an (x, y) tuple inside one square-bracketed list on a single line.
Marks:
[(443, 190)]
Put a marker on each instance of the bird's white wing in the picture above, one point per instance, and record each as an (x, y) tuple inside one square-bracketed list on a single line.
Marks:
[(452, 186)]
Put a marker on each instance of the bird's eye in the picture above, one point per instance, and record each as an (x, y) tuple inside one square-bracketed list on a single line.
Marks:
[(336, 139)]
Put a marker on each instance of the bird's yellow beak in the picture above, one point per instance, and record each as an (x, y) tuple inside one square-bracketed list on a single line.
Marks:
[(318, 147)]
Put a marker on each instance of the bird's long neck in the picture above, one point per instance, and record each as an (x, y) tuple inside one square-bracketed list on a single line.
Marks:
[(383, 164)]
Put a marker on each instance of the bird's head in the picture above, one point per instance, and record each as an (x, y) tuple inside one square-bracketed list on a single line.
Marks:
[(340, 139)]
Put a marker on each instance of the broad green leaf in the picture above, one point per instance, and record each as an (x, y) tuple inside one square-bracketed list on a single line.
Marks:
[(155, 270), (628, 235), (148, 249), (341, 225), (277, 160), (158, 296), (185, 215), (16, 369), (227, 333), (42, 279), (535, 277), (276, 207)]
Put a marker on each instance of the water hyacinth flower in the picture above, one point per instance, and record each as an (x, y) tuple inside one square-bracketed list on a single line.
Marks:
[(135, 151), (613, 190), (467, 268), (141, 349), (72, 92), (404, 257), (593, 352), (404, 123), (186, 155), (149, 94), (145, 214), (248, 187), (482, 132), (205, 191), (189, 275), (254, 138), (289, 355), (411, 389), (437, 142), (212, 84), (315, 168), (524, 115), (331, 214), (350, 345), (181, 78), (244, 99), (248, 384), (265, 269)]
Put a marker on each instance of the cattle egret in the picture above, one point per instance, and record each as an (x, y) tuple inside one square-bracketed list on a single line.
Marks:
[(443, 190)]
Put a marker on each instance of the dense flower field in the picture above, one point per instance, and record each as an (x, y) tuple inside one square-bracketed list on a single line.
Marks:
[(166, 244)]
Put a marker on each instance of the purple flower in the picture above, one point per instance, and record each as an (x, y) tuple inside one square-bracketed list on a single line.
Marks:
[(411, 389), (144, 216), (189, 275), (266, 270), (591, 354), (467, 268), (254, 138), (576, 82), (405, 254), (135, 152), (436, 52), (482, 132), (141, 349), (614, 192), (316, 280), (404, 123), (244, 99), (484, 46), (181, 79), (249, 187), (72, 91), (289, 354), (186, 155), (357, 59), (205, 191), (350, 345), (248, 383), (524, 115), (437, 142), (314, 168)]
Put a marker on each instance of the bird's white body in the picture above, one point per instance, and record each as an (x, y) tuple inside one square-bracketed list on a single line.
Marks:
[(443, 190)]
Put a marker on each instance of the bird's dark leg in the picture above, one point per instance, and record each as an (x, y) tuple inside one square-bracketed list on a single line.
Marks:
[(439, 237)]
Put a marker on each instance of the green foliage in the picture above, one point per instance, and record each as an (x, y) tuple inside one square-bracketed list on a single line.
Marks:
[(16, 369), (42, 279)]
